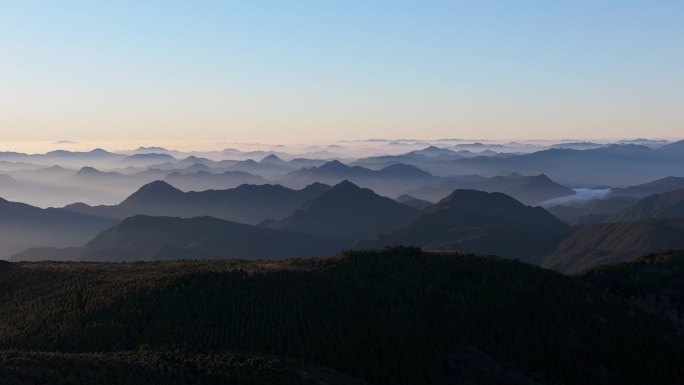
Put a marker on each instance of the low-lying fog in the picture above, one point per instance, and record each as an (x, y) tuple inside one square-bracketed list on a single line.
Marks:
[(581, 195)]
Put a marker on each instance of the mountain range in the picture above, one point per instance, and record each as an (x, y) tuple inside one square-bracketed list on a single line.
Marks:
[(386, 181), (346, 212), (491, 223), (527, 189), (23, 226), (246, 203), (190, 180)]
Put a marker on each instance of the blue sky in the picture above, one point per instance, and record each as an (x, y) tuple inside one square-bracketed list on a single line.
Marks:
[(324, 70)]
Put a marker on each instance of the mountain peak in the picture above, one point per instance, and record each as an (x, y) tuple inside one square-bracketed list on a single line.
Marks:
[(157, 186), (471, 220), (99, 151), (333, 165), (346, 211), (317, 186), (150, 155), (88, 170), (541, 178), (345, 185), (194, 159), (433, 150), (472, 199), (273, 158), (154, 193)]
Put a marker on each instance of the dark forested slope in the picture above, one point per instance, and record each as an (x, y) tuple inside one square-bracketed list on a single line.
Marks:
[(654, 282), (398, 316)]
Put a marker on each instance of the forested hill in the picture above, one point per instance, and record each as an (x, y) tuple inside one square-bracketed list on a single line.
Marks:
[(654, 282), (397, 316)]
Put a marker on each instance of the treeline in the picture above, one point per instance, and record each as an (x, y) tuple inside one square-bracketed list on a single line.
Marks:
[(387, 317)]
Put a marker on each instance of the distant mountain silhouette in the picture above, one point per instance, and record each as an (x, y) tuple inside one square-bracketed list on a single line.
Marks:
[(109, 182), (268, 168), (53, 171), (530, 190), (147, 159), (614, 165), (91, 172), (414, 202), (23, 226), (203, 180), (578, 145), (162, 238), (676, 149), (155, 193), (527, 189), (331, 169), (404, 171), (96, 153), (272, 159), (604, 243), (197, 167), (434, 151), (659, 186), (667, 205), (190, 160), (594, 211), (152, 149), (346, 212), (389, 180), (246, 203), (476, 221)]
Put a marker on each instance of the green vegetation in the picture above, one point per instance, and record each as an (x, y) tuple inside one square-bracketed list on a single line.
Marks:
[(396, 316)]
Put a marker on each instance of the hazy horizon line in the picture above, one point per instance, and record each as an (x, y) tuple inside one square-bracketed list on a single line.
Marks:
[(41, 146)]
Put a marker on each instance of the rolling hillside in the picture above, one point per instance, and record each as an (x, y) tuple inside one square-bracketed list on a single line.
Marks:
[(666, 205), (604, 243)]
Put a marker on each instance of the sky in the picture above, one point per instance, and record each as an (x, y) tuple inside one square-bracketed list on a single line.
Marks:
[(324, 70)]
